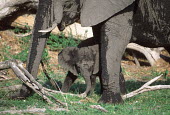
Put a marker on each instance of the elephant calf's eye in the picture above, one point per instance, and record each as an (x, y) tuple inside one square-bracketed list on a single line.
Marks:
[(85, 66)]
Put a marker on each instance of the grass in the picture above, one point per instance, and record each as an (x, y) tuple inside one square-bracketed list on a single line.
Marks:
[(148, 103)]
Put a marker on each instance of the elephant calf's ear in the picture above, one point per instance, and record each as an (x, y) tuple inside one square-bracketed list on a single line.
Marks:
[(67, 59), (53, 13)]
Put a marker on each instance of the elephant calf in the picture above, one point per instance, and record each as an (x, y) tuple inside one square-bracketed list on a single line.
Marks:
[(83, 60)]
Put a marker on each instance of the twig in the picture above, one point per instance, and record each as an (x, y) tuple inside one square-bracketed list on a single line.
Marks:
[(52, 81), (99, 108), (60, 92), (54, 84), (24, 35), (4, 77)]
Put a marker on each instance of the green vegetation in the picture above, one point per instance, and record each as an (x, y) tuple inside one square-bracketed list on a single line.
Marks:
[(60, 42)]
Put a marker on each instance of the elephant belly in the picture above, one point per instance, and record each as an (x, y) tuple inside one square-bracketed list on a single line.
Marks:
[(151, 23)]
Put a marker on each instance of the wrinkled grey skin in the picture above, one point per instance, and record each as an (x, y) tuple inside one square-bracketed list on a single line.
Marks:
[(112, 22), (83, 60)]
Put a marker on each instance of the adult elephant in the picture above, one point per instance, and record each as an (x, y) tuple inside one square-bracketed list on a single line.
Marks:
[(111, 23)]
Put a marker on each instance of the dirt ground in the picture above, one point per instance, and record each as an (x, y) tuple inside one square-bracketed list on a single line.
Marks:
[(131, 71)]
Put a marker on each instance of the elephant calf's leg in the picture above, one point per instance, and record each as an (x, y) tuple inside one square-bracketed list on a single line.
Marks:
[(69, 80), (93, 83), (88, 86)]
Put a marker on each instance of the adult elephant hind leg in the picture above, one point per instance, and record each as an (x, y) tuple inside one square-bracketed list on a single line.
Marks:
[(69, 80), (115, 35), (122, 83)]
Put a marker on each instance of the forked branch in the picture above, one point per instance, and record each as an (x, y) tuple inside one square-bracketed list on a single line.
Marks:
[(146, 88)]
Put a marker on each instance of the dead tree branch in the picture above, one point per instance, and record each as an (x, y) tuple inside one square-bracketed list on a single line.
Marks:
[(98, 107), (146, 88), (151, 55)]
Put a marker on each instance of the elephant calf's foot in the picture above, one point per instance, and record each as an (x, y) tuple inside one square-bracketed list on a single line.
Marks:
[(83, 95), (21, 94), (110, 97), (64, 90)]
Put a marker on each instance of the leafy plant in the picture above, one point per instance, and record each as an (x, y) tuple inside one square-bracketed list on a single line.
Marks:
[(18, 29), (58, 42), (4, 53)]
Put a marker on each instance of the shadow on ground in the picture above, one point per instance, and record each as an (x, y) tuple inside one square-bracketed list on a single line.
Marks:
[(131, 85)]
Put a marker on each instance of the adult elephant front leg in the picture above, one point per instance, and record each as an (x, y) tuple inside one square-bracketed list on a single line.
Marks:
[(38, 41), (115, 35)]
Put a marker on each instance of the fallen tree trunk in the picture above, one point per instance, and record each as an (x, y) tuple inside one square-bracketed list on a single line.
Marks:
[(8, 7)]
